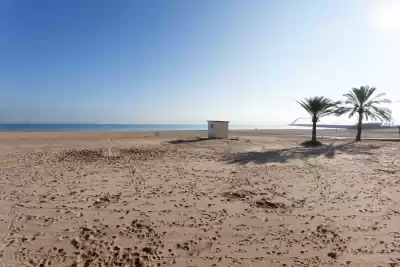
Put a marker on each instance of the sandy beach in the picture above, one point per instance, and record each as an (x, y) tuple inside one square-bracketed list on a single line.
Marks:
[(259, 199)]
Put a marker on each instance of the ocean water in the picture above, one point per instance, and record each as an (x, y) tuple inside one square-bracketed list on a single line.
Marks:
[(98, 127), (126, 127)]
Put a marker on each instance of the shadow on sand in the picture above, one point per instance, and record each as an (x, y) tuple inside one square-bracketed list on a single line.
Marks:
[(284, 155), (191, 140), (198, 139)]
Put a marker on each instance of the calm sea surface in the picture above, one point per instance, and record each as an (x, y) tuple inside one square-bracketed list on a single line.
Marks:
[(123, 127), (97, 127)]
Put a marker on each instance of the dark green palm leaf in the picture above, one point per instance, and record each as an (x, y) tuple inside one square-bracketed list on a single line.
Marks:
[(361, 100), (319, 106)]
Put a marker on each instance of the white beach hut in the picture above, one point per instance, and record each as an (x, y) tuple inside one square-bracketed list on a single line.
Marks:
[(218, 129)]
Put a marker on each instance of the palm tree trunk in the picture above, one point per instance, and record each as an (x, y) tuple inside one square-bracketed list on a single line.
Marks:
[(359, 126), (314, 129)]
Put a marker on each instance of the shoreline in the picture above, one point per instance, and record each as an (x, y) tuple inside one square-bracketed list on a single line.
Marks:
[(250, 133), (138, 127)]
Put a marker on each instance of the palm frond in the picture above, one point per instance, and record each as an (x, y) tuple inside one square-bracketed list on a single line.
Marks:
[(376, 102), (383, 114), (351, 98), (378, 96), (354, 110), (306, 106), (368, 92), (340, 110), (361, 94), (358, 100), (319, 106)]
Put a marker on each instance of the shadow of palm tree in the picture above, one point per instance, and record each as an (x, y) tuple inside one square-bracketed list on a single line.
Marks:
[(284, 155)]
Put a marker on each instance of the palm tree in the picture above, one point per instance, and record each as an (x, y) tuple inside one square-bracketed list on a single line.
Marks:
[(318, 107), (361, 102)]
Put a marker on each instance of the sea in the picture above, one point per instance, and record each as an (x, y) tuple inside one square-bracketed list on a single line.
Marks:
[(125, 127)]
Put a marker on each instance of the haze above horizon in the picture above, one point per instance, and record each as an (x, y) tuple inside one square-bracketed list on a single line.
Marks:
[(177, 61)]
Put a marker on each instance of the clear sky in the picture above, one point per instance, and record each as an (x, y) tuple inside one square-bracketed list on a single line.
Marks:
[(180, 61)]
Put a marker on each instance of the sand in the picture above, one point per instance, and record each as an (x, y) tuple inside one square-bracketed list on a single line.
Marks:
[(259, 200)]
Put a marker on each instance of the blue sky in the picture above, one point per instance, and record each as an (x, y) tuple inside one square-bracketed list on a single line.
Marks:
[(179, 61)]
